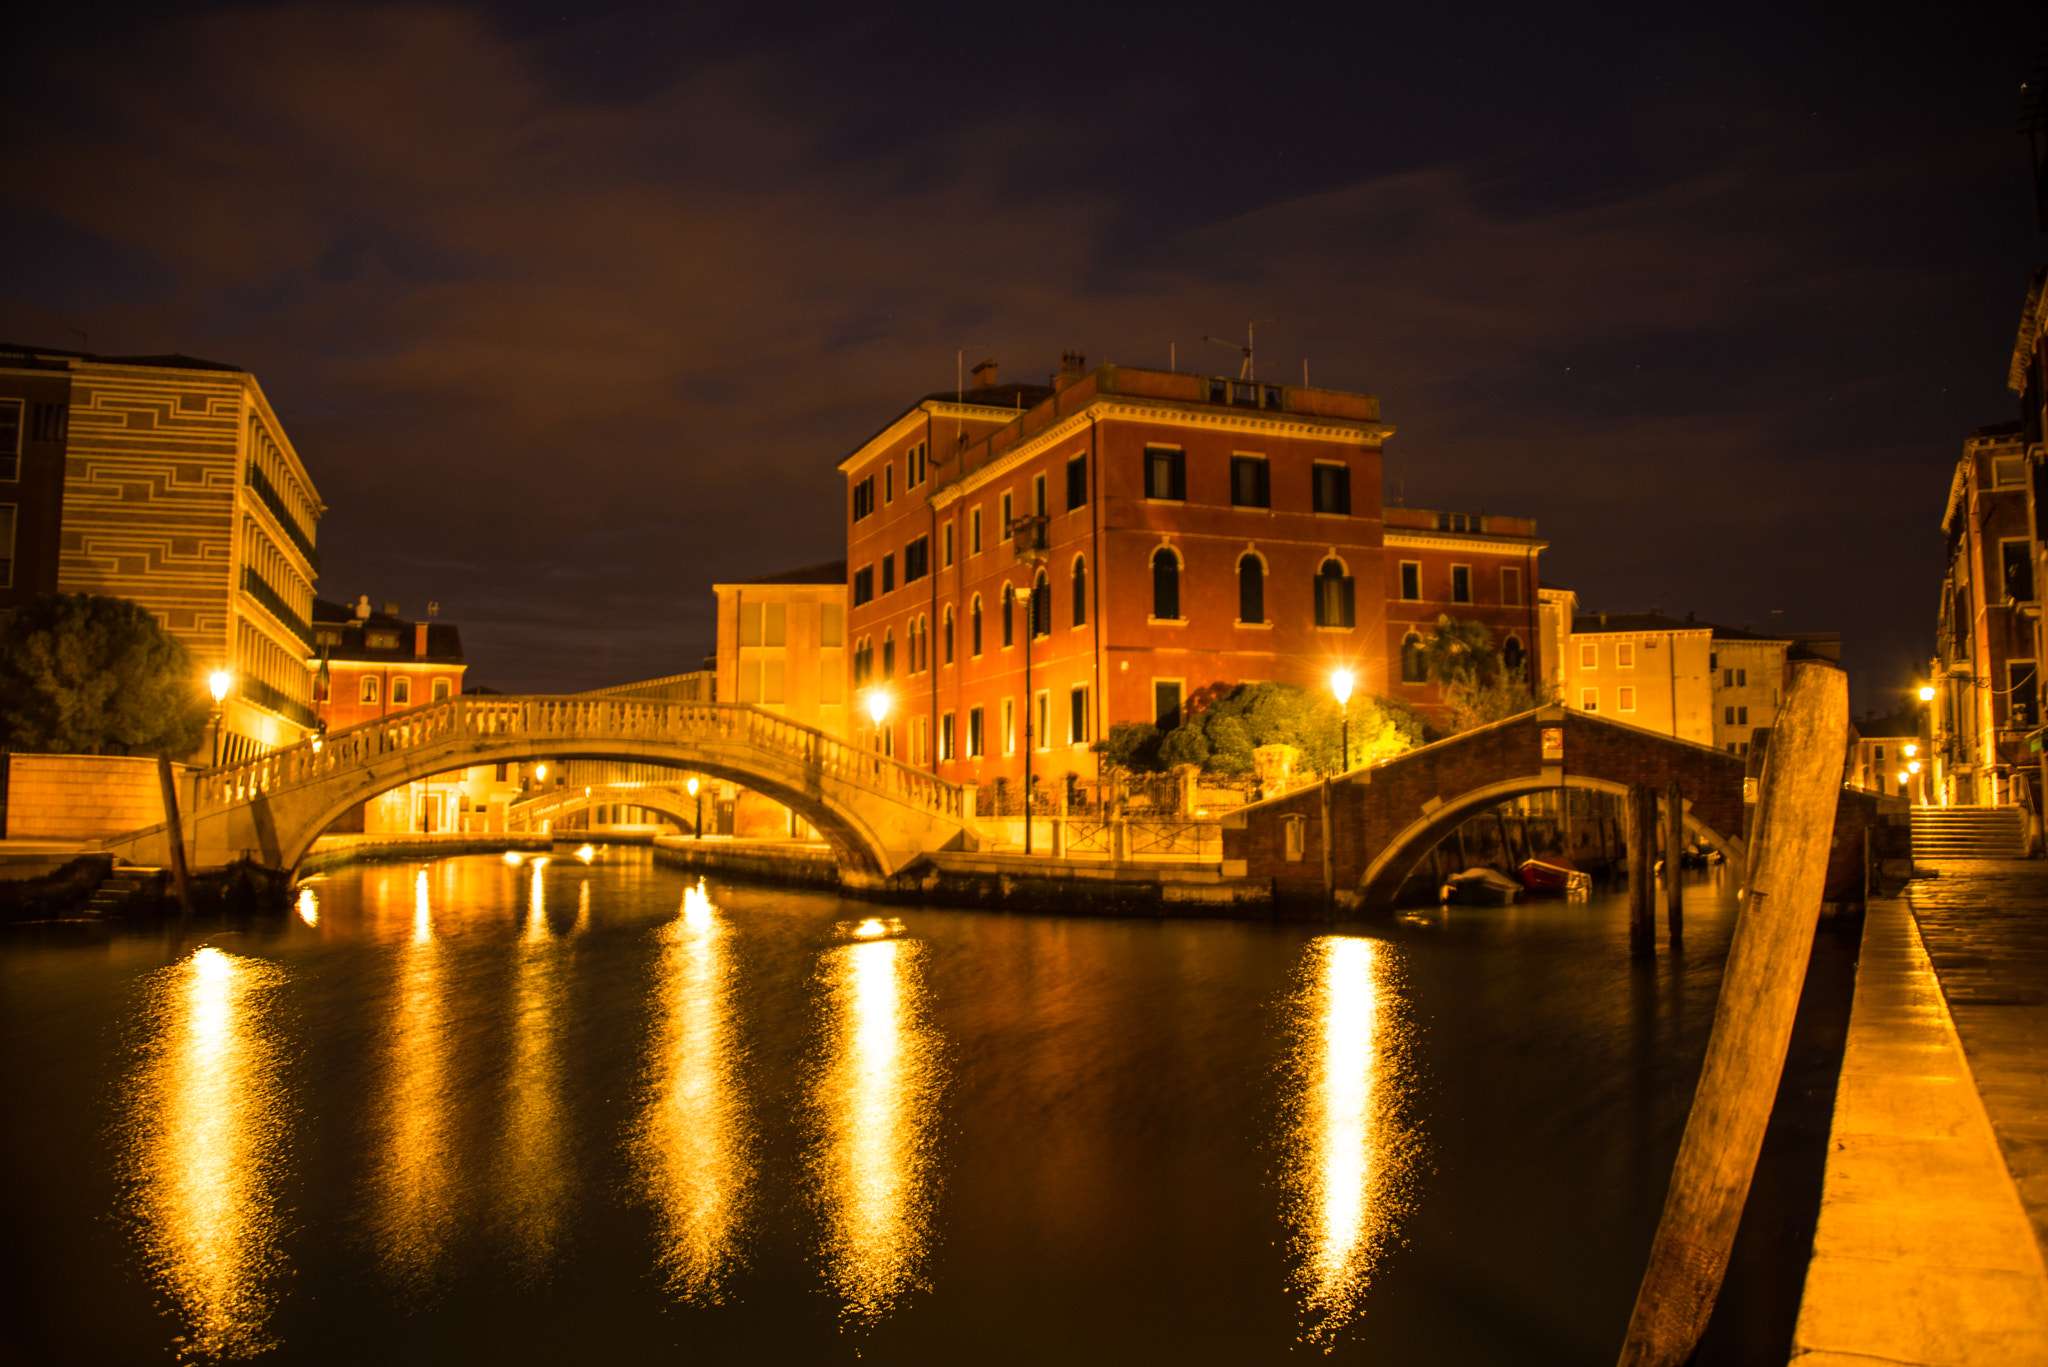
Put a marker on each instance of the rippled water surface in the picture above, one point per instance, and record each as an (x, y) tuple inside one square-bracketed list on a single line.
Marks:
[(484, 1111)]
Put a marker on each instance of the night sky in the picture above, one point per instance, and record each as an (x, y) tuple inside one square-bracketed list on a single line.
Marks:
[(572, 310)]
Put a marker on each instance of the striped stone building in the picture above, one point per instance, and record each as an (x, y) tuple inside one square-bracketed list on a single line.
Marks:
[(170, 481)]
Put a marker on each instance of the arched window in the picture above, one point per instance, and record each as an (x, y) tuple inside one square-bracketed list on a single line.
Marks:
[(948, 646), (1041, 605), (1511, 658), (1251, 588), (1165, 585), (1335, 602), (974, 627), (1080, 591), (916, 642), (1009, 616), (1412, 668), (369, 693), (863, 661), (888, 655)]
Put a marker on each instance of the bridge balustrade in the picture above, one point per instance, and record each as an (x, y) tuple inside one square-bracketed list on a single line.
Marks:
[(581, 720)]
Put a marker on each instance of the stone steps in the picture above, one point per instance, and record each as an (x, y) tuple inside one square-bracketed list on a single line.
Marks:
[(121, 887), (1969, 833)]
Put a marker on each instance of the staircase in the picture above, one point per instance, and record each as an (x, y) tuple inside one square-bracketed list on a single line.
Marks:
[(1942, 833), (121, 887)]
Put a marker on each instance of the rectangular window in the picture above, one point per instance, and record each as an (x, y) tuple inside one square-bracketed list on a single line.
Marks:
[(441, 690), (1336, 600), (947, 546), (1589, 700), (1250, 482), (774, 624), (889, 572), (1166, 704), (1041, 722), (974, 531), (1077, 716), (1589, 657), (976, 740), (1009, 726), (889, 482), (1742, 716), (1166, 474), (831, 625), (2016, 561), (401, 692), (774, 685), (7, 518), (1878, 752), (2008, 472), (1077, 482), (2023, 703), (10, 440), (1411, 580), (50, 421), (1461, 583), (750, 681), (1742, 678), (1333, 489), (914, 466), (864, 585), (916, 560), (946, 736), (1009, 516), (1038, 496), (1713, 661), (1626, 700), (863, 497), (1625, 655), (1511, 586)]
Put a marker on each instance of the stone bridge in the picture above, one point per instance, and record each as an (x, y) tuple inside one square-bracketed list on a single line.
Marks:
[(880, 815), (670, 800), (1385, 819)]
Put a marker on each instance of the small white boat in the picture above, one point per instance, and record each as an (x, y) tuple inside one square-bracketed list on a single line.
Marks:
[(1481, 887)]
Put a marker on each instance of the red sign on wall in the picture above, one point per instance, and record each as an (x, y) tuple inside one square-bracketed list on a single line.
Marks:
[(1553, 742)]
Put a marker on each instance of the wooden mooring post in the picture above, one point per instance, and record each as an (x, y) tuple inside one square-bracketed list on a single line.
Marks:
[(1674, 860), (180, 875), (1642, 879), (1774, 930)]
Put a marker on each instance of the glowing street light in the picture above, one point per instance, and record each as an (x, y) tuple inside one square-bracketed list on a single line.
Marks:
[(540, 773), (1926, 692), (692, 785), (878, 708), (1340, 684), (217, 684), (1914, 767), (1912, 750)]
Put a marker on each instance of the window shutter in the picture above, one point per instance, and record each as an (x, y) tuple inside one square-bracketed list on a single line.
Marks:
[(1347, 603)]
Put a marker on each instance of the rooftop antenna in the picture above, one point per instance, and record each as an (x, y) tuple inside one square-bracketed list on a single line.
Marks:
[(1246, 371), (960, 392)]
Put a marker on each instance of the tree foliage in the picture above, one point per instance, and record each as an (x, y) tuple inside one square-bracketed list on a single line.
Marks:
[(84, 674), (1225, 725), (1461, 659)]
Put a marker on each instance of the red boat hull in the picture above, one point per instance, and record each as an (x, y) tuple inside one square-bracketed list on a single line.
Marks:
[(1553, 875)]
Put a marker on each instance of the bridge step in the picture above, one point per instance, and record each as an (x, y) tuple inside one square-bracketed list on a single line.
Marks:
[(1969, 833), (119, 888)]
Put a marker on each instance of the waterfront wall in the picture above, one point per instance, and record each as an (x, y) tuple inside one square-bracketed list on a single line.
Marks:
[(83, 797)]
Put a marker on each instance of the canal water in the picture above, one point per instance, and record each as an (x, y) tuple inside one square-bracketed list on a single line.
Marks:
[(478, 1111)]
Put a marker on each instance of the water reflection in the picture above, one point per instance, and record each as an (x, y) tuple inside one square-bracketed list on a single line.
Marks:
[(414, 1209), (309, 906), (536, 1165), (1349, 1154), (876, 1095), (695, 1140), (207, 1121)]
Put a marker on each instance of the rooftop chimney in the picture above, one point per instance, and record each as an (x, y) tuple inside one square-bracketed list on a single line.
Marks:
[(419, 639), (363, 608), (984, 375), (1073, 365), (391, 609)]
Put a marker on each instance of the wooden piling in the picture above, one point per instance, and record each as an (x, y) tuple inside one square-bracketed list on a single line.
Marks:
[(180, 875), (1774, 930), (1642, 856), (1329, 850), (1507, 846), (1674, 860)]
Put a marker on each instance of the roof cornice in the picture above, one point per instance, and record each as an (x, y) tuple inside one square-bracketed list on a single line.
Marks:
[(1465, 541)]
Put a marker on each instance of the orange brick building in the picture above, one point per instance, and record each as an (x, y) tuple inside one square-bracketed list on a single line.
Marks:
[(1176, 532)]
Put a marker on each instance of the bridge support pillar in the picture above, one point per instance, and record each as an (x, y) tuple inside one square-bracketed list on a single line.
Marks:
[(1642, 880)]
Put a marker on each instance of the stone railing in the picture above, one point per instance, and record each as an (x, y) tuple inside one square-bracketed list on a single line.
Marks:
[(575, 721)]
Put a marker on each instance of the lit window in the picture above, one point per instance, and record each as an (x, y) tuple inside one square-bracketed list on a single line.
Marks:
[(441, 690), (369, 689), (1166, 474)]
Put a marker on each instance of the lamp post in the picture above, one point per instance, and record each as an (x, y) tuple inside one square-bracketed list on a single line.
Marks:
[(700, 806), (217, 684), (878, 708), (1340, 684)]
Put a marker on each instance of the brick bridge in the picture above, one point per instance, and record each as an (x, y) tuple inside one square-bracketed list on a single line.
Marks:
[(1384, 820), (880, 815)]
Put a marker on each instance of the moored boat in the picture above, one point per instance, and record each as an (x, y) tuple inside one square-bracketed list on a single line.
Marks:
[(1554, 873), (1479, 886)]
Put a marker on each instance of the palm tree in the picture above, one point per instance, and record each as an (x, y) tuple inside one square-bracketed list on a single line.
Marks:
[(1459, 655)]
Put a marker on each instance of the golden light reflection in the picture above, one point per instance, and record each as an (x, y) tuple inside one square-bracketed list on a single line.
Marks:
[(587, 853), (876, 1095), (694, 1146), (309, 907), (414, 1183), (1350, 1153), (536, 1165), (207, 1121), (514, 858)]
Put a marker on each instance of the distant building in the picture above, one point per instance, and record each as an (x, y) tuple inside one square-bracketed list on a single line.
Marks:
[(1986, 665), (1688, 679), (1890, 757), (169, 481), (368, 664), (1143, 536), (1470, 566)]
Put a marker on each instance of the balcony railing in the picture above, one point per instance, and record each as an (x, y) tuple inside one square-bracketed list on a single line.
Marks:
[(274, 501), (290, 708), (254, 585)]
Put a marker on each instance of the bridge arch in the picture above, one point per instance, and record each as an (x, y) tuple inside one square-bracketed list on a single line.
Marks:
[(1397, 860), (877, 813)]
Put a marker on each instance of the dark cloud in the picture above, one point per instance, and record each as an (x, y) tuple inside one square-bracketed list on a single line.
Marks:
[(570, 320)]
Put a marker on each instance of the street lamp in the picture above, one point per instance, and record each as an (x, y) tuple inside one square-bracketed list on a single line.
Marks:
[(878, 708), (1340, 684), (217, 684), (1926, 692), (700, 806)]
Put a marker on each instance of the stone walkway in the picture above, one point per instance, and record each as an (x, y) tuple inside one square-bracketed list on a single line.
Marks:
[(1924, 1252)]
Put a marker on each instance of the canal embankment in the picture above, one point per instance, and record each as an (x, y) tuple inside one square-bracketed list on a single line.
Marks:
[(1924, 1251)]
